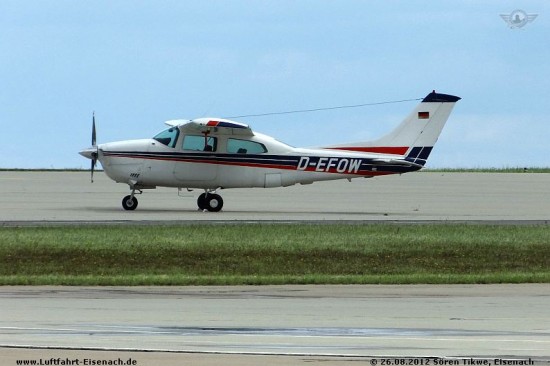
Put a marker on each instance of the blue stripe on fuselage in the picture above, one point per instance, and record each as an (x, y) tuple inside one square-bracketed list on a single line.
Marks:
[(339, 165)]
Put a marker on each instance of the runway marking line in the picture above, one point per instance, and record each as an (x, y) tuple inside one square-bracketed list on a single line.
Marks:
[(374, 337)]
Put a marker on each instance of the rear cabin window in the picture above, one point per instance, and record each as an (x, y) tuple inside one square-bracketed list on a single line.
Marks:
[(235, 146), (199, 143)]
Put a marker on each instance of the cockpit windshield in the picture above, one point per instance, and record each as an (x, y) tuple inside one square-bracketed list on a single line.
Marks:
[(168, 137)]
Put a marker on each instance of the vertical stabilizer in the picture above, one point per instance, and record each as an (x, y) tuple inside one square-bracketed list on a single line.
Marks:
[(415, 137)]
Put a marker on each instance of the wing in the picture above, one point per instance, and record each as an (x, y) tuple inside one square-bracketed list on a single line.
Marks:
[(176, 122), (220, 125), (531, 17), (505, 17)]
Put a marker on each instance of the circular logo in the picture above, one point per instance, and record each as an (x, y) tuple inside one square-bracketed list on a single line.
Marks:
[(518, 18)]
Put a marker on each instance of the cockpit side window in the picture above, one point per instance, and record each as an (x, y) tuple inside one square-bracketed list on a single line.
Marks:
[(168, 137), (200, 143), (235, 146)]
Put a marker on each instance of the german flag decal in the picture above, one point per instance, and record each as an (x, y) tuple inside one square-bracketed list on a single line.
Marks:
[(423, 115)]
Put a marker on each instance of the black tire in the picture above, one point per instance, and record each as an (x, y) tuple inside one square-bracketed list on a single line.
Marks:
[(201, 202), (214, 202), (129, 203)]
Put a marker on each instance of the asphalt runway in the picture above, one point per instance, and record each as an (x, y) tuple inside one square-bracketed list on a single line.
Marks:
[(69, 197), (273, 325)]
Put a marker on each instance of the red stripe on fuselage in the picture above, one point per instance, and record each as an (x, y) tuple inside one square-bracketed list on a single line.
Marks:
[(360, 173), (396, 150)]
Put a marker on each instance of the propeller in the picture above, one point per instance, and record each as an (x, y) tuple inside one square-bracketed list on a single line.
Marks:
[(93, 154)]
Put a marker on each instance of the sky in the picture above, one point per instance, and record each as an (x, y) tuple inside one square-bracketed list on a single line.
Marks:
[(140, 63)]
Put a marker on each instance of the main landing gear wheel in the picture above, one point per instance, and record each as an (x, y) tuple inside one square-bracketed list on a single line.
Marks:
[(201, 202), (129, 203), (210, 201)]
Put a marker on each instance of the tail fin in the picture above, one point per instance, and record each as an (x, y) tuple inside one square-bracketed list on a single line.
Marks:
[(415, 137)]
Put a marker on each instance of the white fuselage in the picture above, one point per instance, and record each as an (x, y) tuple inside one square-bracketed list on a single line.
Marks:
[(148, 163)]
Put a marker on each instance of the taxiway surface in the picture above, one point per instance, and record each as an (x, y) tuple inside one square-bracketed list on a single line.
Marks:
[(424, 196), (480, 321)]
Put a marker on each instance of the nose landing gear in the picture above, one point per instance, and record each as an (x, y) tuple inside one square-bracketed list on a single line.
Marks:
[(130, 202)]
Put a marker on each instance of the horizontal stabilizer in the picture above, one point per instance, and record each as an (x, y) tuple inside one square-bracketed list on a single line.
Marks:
[(397, 162)]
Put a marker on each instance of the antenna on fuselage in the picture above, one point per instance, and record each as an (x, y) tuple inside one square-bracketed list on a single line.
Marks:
[(325, 108)]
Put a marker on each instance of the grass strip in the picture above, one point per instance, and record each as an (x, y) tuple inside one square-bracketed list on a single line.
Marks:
[(274, 254)]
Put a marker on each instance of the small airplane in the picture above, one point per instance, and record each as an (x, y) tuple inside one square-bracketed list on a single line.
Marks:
[(215, 153)]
